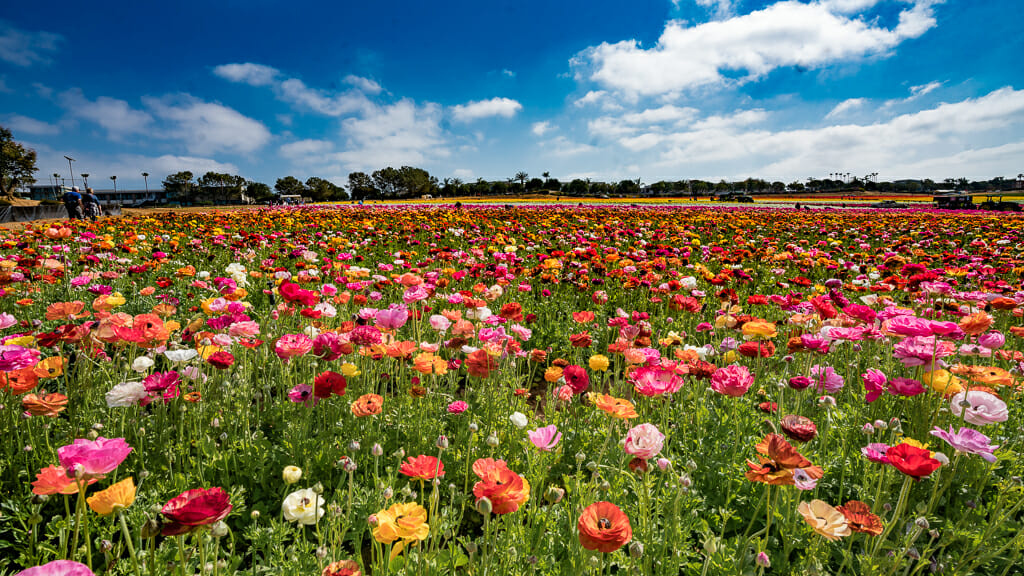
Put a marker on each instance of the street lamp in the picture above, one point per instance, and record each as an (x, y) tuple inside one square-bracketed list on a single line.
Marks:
[(86, 178), (114, 179), (71, 170), (145, 176)]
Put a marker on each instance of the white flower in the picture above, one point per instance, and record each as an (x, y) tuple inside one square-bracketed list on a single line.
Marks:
[(519, 419), (126, 394), (181, 356), (142, 363), (302, 506), (291, 474)]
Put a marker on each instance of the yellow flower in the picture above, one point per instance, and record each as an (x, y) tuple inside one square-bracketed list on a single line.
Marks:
[(729, 357), (825, 519), (116, 497), (402, 522), (349, 370), (759, 329), (942, 382), (599, 362)]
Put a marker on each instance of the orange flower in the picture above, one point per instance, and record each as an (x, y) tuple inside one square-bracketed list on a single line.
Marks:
[(604, 528), (342, 568), (759, 329), (54, 480), (976, 323), (52, 367), (860, 519), (427, 362), (422, 467), (583, 317), (480, 364), (987, 375), (778, 459), (48, 405), (504, 488), (20, 381), (66, 311), (367, 405), (615, 407), (116, 497)]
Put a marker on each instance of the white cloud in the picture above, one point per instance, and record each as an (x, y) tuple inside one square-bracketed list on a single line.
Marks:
[(393, 135), (508, 73), (18, 123), (117, 117), (722, 8), (464, 174), (788, 33), (916, 91), (667, 113), (206, 127), (563, 147), (295, 91), (303, 150), (25, 49), (248, 73), (169, 164), (127, 167), (541, 128), (504, 107), (846, 106), (596, 97), (365, 84)]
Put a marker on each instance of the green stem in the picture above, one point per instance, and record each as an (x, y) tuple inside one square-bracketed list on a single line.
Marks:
[(131, 544)]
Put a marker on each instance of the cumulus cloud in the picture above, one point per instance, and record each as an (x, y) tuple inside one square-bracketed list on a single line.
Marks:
[(394, 134), (722, 8), (115, 116), (504, 107), (206, 127), (23, 48), (365, 84), (23, 124), (296, 92), (541, 128), (787, 33), (846, 106), (464, 174), (247, 73)]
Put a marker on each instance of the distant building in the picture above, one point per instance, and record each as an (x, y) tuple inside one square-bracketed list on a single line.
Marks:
[(157, 197)]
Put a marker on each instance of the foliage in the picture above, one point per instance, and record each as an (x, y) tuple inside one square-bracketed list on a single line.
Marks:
[(17, 164)]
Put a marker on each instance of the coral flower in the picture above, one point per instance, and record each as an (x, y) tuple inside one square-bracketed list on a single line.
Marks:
[(54, 480), (480, 364), (58, 568), (292, 345), (47, 405), (777, 461), (545, 438), (615, 407), (195, 508), (402, 523), (603, 527), (912, 461), (342, 568), (116, 497), (975, 324), (860, 519), (825, 519), (504, 488), (733, 380), (367, 405), (19, 381), (93, 458), (422, 467)]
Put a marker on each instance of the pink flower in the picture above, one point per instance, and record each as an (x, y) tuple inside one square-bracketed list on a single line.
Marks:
[(328, 346), (968, 441), (244, 329), (576, 377), (439, 323), (415, 294), (545, 438), (905, 387), (393, 317), (704, 327), (457, 407), (644, 441), (909, 326), (826, 379), (655, 381), (982, 408), (992, 340), (7, 320), (302, 394), (564, 393), (160, 381), (93, 458), (803, 481), (58, 568), (876, 452), (17, 357), (733, 380), (365, 336), (923, 351), (874, 384), (291, 345)]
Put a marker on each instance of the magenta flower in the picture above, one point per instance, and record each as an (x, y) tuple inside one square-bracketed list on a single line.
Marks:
[(17, 357), (58, 568), (905, 387), (644, 441), (909, 326), (87, 459), (923, 351), (874, 384), (328, 346), (968, 441), (992, 340), (365, 336), (876, 452), (302, 394), (655, 381), (392, 318), (545, 438), (733, 380), (457, 407), (826, 379), (160, 381)]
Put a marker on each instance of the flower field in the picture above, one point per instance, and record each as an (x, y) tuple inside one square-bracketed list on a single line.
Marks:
[(502, 390)]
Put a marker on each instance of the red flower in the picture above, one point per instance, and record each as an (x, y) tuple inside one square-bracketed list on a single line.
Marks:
[(581, 340), (221, 360), (328, 383), (480, 364), (583, 317), (799, 428), (504, 488), (912, 461), (291, 292), (754, 349), (195, 508), (604, 528), (423, 467), (860, 519), (512, 311), (576, 377)]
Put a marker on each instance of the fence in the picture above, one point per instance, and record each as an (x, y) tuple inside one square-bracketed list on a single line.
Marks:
[(40, 212)]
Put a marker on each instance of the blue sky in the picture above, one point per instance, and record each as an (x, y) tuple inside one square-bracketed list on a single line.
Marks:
[(598, 89)]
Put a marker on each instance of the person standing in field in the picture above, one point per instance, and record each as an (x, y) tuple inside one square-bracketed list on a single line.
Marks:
[(91, 203), (73, 203)]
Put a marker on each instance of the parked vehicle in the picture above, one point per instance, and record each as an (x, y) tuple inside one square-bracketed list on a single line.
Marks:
[(953, 201), (888, 204), (994, 202)]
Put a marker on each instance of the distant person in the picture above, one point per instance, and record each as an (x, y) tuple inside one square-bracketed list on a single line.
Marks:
[(91, 203), (73, 203)]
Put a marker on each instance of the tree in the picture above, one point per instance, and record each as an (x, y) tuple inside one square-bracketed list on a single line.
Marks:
[(221, 188), (577, 187), (290, 186), (360, 185), (500, 188), (321, 190), (180, 186), (17, 164), (552, 184), (534, 184), (627, 188), (521, 176), (388, 181), (259, 191)]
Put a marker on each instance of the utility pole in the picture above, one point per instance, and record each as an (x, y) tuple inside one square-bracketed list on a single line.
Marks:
[(71, 170)]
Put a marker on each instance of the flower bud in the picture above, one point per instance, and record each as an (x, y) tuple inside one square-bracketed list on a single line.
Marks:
[(492, 440), (354, 446), (376, 450), (318, 488), (580, 457), (442, 443), (484, 506), (470, 548), (867, 429), (219, 529), (636, 549), (474, 427), (881, 425), (388, 493), (291, 474), (604, 486), (554, 494), (762, 560), (921, 522)]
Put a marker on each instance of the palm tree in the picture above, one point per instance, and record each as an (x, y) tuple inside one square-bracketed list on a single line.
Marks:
[(522, 176)]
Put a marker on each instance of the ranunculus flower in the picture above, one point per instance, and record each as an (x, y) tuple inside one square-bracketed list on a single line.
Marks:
[(576, 377), (644, 441), (860, 519), (303, 506), (545, 438), (874, 384), (221, 360), (405, 523), (329, 383), (93, 458), (733, 380), (17, 357), (598, 363), (505, 489), (905, 387), (799, 428), (58, 568), (982, 408), (422, 467), (655, 380), (457, 407), (115, 497), (292, 345), (912, 461), (195, 508), (603, 527), (825, 519), (968, 441), (826, 379)]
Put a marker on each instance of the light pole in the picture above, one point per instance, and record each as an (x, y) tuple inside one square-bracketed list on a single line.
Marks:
[(145, 176), (114, 179), (85, 177), (71, 170)]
